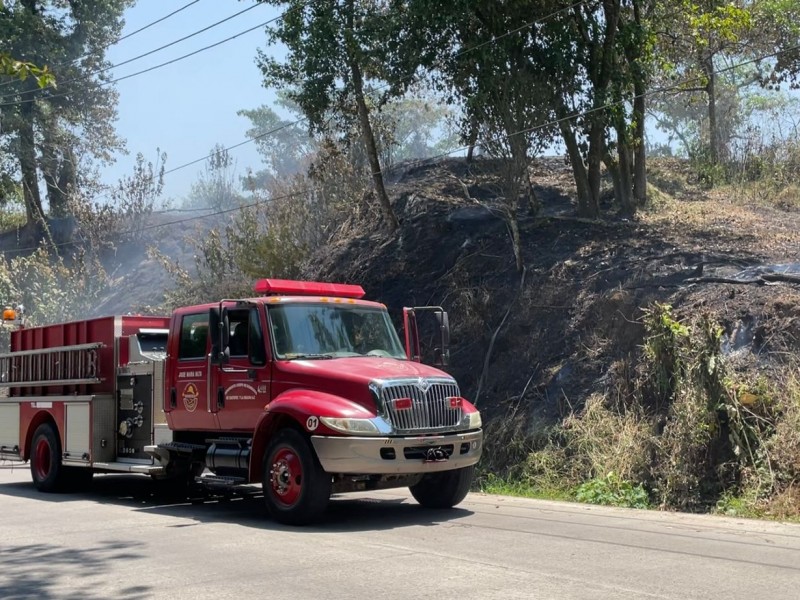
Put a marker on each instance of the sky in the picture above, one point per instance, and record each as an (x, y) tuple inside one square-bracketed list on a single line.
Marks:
[(187, 107)]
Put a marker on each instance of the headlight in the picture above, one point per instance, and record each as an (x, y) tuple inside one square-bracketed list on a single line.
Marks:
[(351, 426), (474, 420)]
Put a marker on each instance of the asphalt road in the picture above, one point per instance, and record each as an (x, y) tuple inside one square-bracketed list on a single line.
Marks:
[(121, 540)]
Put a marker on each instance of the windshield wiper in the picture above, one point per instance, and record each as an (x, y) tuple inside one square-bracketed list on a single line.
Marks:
[(308, 356)]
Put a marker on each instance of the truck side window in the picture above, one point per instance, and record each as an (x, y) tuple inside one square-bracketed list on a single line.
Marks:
[(258, 352), (246, 338), (194, 335), (239, 330)]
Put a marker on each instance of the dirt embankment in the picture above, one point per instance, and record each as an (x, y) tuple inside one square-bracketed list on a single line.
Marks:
[(560, 333)]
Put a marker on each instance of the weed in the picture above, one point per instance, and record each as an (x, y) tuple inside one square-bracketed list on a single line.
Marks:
[(611, 490)]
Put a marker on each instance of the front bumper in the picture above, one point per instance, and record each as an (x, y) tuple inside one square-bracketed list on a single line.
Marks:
[(397, 455)]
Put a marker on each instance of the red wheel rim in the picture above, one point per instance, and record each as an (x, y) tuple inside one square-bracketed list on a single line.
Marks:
[(42, 455), (286, 476)]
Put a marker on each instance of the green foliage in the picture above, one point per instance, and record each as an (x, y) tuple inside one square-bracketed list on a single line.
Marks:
[(10, 67), (509, 486), (688, 436), (127, 218), (51, 289), (216, 186), (611, 490), (275, 236), (336, 52), (53, 135)]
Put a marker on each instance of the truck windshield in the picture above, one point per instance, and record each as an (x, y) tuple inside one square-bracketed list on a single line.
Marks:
[(332, 331)]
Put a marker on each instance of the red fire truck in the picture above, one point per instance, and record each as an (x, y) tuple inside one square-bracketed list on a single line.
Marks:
[(306, 389)]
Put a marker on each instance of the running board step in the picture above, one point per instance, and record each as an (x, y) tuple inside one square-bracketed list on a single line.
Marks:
[(182, 447), (121, 467), (220, 481)]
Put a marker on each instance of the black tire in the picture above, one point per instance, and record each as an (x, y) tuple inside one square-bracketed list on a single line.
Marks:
[(444, 489), (47, 471), (296, 489)]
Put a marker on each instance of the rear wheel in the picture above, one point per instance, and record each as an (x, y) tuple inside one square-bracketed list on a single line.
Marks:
[(444, 489), (296, 489), (46, 468)]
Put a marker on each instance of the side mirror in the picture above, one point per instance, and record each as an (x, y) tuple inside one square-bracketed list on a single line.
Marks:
[(443, 352), (412, 334)]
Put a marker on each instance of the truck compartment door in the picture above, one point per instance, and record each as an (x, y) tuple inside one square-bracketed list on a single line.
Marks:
[(9, 428), (77, 432)]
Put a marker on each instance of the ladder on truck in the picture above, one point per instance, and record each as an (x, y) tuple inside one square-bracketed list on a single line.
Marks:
[(64, 365)]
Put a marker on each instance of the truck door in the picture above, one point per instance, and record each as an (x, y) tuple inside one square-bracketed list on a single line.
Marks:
[(242, 385), (187, 399)]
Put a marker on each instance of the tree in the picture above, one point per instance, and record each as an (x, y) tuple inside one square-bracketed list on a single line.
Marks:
[(216, 186), (703, 41), (524, 65), (285, 145), (335, 48), (50, 131), (10, 67)]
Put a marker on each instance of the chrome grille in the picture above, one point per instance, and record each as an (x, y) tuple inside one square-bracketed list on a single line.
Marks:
[(430, 405)]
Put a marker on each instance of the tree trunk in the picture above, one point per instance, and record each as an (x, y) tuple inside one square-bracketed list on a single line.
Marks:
[(623, 186), (27, 165), (639, 149), (639, 114), (613, 168), (369, 144), (54, 179), (516, 240), (594, 162), (473, 138), (713, 127), (578, 168)]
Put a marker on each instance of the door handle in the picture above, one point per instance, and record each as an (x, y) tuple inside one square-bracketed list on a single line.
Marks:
[(220, 397), (173, 398)]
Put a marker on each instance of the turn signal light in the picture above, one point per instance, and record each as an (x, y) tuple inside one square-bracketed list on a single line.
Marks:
[(455, 401), (403, 404)]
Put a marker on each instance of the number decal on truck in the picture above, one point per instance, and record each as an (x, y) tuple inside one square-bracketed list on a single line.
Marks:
[(312, 423)]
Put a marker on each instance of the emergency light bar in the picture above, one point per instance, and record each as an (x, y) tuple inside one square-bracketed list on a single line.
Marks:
[(269, 287)]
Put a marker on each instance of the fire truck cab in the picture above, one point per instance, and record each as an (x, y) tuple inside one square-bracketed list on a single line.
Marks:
[(306, 389)]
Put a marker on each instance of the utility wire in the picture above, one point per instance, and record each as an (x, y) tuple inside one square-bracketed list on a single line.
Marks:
[(304, 190), (124, 37), (590, 111), (493, 40), (140, 56)]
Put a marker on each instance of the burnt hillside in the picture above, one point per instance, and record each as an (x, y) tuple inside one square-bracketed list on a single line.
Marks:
[(567, 327)]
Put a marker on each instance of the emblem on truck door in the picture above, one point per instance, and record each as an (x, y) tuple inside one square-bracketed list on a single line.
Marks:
[(189, 396)]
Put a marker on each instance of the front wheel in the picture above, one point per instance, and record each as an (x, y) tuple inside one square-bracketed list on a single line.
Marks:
[(46, 468), (296, 489), (444, 489)]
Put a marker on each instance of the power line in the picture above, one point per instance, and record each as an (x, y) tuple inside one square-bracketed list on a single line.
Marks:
[(145, 54), (552, 123), (156, 22), (520, 132), (247, 141), (494, 39), (590, 111), (124, 37)]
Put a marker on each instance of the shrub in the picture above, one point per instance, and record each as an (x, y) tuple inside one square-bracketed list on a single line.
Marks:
[(612, 490)]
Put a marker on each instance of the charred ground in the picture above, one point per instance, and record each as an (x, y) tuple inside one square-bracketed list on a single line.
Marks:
[(560, 329)]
